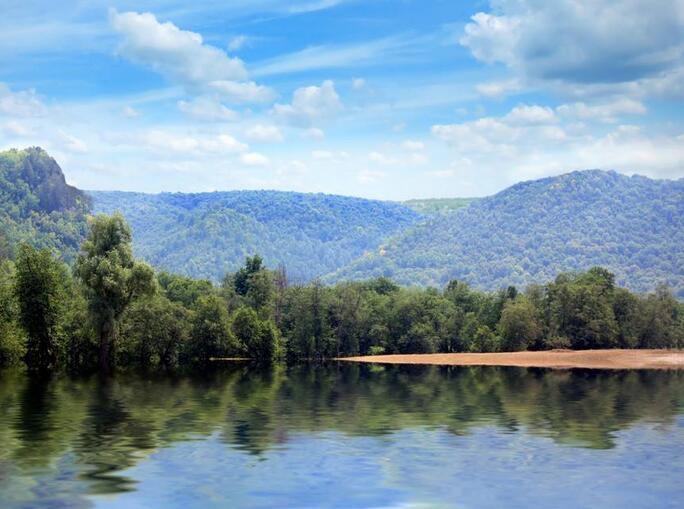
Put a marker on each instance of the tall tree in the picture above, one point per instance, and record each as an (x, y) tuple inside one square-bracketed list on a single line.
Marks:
[(39, 287), (112, 278)]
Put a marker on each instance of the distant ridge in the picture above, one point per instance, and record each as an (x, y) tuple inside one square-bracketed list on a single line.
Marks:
[(525, 234), (533, 230), (209, 234)]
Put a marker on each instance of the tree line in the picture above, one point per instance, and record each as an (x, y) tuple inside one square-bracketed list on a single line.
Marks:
[(110, 309)]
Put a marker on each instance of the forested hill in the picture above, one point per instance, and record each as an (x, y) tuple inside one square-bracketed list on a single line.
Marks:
[(634, 226), (208, 234), (37, 205)]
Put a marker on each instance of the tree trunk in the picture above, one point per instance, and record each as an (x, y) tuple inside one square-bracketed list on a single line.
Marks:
[(107, 345)]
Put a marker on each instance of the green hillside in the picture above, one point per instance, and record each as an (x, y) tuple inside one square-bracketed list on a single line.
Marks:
[(37, 205), (209, 234), (532, 231), (438, 205)]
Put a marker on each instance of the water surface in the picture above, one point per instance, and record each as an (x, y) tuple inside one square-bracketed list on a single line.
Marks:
[(347, 436)]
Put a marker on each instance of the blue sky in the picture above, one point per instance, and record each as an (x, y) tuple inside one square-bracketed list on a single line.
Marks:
[(376, 98)]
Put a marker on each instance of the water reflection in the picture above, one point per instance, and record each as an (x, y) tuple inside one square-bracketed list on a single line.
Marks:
[(65, 439)]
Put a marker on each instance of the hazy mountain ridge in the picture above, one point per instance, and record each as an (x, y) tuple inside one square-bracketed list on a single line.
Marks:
[(533, 230), (209, 234), (526, 233)]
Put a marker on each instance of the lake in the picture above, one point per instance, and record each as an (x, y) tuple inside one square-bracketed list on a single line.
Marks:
[(344, 436)]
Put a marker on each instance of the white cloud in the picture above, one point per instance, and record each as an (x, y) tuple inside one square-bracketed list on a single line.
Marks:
[(237, 42), (584, 44), (367, 176), (254, 159), (164, 141), (17, 129), (358, 83), (265, 133), (24, 103), (71, 143), (314, 133), (498, 89), (180, 55), (380, 158), (336, 56), (413, 145), (129, 112), (329, 156), (207, 109), (604, 111), (242, 92), (531, 114), (508, 150), (309, 104)]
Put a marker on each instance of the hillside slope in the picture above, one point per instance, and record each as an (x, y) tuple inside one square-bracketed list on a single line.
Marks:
[(209, 234), (37, 205), (533, 230)]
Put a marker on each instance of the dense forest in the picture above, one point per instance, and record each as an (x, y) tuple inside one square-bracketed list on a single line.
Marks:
[(530, 232), (111, 309), (38, 206), (208, 234)]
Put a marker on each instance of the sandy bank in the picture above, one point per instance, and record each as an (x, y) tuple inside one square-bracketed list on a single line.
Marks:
[(592, 359)]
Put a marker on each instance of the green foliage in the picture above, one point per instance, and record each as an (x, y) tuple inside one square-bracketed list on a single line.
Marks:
[(37, 206), (40, 288), (519, 326), (433, 206), (532, 231), (208, 235), (210, 332), (12, 337), (260, 338), (155, 330), (111, 277)]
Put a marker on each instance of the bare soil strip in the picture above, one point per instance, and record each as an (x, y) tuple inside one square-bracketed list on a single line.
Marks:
[(590, 359)]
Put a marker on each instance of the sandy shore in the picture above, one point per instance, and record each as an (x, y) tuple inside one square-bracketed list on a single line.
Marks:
[(592, 359)]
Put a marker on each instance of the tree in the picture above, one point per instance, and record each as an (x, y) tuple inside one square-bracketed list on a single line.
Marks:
[(210, 332), (39, 287), (259, 337), (112, 279), (241, 278), (518, 326), (12, 340)]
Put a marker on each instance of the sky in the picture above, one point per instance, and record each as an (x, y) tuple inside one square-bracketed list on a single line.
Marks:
[(374, 98)]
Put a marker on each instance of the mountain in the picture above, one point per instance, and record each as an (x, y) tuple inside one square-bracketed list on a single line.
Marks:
[(530, 232), (208, 234), (37, 205), (438, 205)]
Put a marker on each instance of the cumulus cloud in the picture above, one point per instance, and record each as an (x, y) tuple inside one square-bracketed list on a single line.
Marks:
[(580, 43), (24, 103), (309, 104), (254, 159), (265, 133), (71, 143), (499, 89), (605, 111), (17, 129), (183, 57), (178, 54), (368, 176), (165, 141), (207, 109), (531, 114), (243, 92), (520, 150)]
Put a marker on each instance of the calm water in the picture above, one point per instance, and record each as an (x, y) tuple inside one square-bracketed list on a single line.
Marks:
[(345, 436)]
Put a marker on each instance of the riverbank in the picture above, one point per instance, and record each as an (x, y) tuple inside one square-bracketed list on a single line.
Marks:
[(589, 359)]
